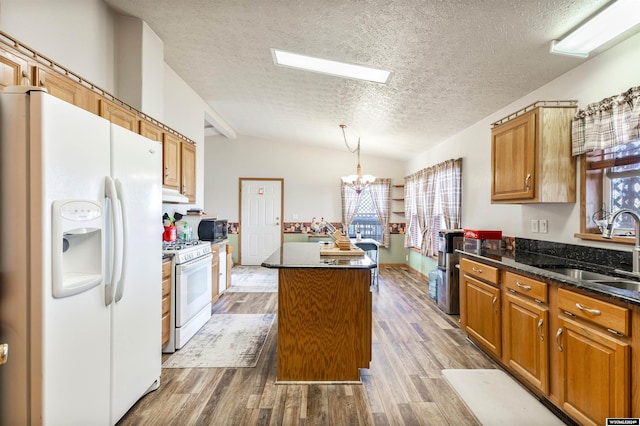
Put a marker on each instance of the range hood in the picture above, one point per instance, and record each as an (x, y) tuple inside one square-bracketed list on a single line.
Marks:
[(173, 196)]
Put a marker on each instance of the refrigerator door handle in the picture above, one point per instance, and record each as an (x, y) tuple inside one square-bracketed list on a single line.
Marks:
[(119, 282), (111, 195)]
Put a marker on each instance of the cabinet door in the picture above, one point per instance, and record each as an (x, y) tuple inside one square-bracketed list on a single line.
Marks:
[(215, 273), (513, 159), (482, 313), (526, 339), (118, 115), (66, 89), (13, 70), (594, 372), (189, 171), (171, 161), (150, 131)]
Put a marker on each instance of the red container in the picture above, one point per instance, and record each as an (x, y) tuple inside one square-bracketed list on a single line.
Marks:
[(169, 233), (482, 235)]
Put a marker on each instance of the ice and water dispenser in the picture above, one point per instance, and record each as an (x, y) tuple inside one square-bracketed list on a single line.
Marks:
[(77, 235)]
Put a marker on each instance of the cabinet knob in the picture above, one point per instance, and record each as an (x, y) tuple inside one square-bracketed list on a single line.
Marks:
[(4, 353), (527, 182)]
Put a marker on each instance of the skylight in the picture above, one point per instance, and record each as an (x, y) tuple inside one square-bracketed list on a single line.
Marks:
[(325, 66)]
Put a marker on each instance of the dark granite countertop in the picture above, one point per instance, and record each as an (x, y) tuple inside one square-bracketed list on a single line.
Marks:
[(532, 264), (307, 255)]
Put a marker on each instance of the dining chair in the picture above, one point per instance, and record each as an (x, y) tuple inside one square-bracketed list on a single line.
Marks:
[(372, 251)]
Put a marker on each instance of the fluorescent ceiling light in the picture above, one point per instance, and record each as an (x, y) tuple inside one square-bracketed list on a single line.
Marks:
[(325, 66), (608, 24)]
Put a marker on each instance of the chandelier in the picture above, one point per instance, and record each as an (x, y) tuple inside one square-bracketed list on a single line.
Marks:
[(358, 182)]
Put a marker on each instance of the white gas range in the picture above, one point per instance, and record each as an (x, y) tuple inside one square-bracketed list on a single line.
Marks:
[(190, 290)]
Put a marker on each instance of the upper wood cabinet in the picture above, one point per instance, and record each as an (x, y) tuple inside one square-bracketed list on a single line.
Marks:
[(66, 89), (171, 157), (531, 158), (118, 115), (13, 69), (188, 166), (151, 131)]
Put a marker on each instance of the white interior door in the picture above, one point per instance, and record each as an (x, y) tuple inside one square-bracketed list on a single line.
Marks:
[(260, 220)]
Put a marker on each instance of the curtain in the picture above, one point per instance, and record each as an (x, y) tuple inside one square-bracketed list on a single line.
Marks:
[(426, 210), (380, 191), (608, 123), (450, 186), (430, 193), (411, 226), (350, 203)]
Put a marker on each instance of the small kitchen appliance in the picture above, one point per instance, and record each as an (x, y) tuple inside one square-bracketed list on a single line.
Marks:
[(212, 230), (477, 240)]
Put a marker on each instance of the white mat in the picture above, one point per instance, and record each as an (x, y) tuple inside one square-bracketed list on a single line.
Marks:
[(497, 399), (225, 341)]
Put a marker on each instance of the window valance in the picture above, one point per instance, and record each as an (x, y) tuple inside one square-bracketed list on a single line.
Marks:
[(608, 123)]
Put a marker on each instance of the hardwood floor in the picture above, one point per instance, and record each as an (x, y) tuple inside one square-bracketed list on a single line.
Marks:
[(412, 342)]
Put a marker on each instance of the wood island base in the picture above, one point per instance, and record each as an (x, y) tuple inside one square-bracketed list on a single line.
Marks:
[(324, 324)]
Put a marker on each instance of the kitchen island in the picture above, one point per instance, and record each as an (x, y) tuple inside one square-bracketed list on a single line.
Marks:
[(324, 314)]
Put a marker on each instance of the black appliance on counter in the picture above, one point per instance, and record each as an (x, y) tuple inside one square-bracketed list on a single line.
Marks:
[(212, 230), (448, 284)]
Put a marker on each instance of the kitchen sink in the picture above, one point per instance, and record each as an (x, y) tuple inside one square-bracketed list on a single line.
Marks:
[(622, 284), (580, 274)]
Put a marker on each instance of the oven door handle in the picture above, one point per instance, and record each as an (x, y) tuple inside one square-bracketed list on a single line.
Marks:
[(199, 262)]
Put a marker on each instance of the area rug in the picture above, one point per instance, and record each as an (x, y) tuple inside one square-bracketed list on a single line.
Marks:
[(225, 341), (253, 288), (253, 279), (497, 399)]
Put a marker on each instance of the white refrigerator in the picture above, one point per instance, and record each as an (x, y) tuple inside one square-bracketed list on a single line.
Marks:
[(80, 263)]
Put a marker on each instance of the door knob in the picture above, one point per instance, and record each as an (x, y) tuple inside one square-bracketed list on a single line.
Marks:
[(4, 353)]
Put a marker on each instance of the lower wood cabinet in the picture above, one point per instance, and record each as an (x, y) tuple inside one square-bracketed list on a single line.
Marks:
[(166, 300), (570, 347), (480, 306), (215, 272), (594, 363), (526, 339)]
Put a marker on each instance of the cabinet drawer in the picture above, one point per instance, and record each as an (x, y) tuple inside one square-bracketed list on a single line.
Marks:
[(166, 305), (166, 287), (166, 329), (604, 314), (479, 270), (215, 249), (166, 269), (526, 286)]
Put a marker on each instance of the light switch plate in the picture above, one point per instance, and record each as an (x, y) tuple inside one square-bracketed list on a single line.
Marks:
[(534, 225), (543, 226)]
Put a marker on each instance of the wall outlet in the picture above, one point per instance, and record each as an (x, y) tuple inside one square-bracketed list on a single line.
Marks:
[(543, 226), (294, 216), (534, 225)]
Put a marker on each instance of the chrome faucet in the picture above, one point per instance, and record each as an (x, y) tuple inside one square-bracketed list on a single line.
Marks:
[(608, 233)]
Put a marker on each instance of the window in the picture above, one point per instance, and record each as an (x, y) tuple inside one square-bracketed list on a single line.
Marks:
[(366, 220), (612, 178), (368, 211), (606, 135)]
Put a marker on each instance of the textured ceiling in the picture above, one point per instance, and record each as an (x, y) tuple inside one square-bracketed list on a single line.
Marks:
[(454, 62)]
